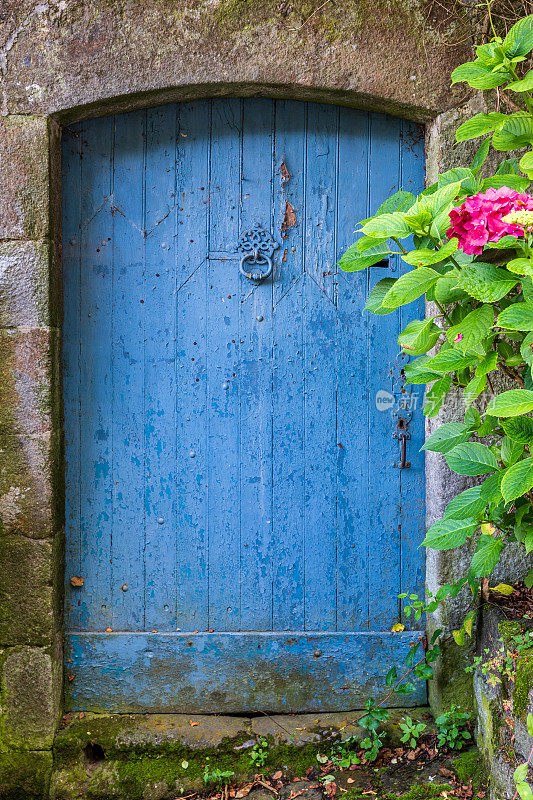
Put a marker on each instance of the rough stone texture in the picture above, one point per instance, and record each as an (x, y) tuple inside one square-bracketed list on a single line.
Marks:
[(31, 685), (28, 503), (143, 755), (27, 598), (502, 709), (24, 775), (24, 279), (153, 730), (24, 170), (307, 728), (60, 55), (29, 361)]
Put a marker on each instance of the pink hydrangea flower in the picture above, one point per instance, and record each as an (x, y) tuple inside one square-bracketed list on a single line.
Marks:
[(480, 218)]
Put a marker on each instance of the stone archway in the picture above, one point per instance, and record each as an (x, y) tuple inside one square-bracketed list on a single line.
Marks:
[(61, 61)]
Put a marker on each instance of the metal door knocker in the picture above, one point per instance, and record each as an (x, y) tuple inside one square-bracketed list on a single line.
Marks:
[(402, 434), (257, 247)]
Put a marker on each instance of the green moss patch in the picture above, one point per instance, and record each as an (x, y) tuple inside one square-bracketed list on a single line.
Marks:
[(523, 683), (421, 792), (129, 756), (24, 775), (469, 767)]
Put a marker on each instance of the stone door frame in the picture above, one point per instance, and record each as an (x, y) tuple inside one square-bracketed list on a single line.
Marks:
[(56, 69)]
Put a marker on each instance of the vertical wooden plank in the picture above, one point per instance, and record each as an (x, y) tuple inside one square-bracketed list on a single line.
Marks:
[(160, 188), (320, 196), (352, 381), (223, 373), (193, 186), (96, 395), (288, 368), (160, 370), (223, 378), (128, 314), (255, 326), (72, 180), (192, 453), (320, 369), (412, 511), (384, 479), (320, 459), (289, 461), (224, 189), (289, 192), (192, 357)]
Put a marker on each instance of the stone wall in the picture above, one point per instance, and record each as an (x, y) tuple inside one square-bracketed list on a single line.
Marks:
[(502, 707), (62, 60)]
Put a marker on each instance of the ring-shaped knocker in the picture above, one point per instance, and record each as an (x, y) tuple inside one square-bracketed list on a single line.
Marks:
[(256, 259)]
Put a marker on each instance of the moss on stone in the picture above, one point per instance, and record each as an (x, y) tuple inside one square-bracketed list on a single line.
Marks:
[(469, 767), (421, 792), (25, 775), (508, 629), (130, 762), (523, 683), (333, 19)]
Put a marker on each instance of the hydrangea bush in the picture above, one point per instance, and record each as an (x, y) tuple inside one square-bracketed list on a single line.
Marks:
[(467, 243)]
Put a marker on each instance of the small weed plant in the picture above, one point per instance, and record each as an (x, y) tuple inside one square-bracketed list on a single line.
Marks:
[(259, 753), (453, 729), (213, 775), (502, 664), (412, 731)]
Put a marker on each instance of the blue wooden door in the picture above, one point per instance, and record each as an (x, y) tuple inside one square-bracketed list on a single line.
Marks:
[(237, 532)]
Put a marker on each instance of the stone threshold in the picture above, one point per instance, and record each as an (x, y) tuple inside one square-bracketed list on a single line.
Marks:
[(161, 756)]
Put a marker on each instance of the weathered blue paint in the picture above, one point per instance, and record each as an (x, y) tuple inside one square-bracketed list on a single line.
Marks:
[(231, 494), (239, 672)]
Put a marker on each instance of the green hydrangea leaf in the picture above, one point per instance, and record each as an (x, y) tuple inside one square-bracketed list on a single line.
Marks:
[(375, 298), (472, 329), (447, 534), (447, 437), (472, 458), (517, 480), (486, 282), (410, 286), (467, 505), (511, 404)]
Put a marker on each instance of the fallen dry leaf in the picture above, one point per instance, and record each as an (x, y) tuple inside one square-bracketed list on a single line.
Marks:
[(350, 780), (193, 724), (446, 773), (77, 581), (397, 628), (331, 789), (277, 775), (109, 630)]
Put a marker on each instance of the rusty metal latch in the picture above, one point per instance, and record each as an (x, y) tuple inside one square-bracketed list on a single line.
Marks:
[(402, 434), (257, 247)]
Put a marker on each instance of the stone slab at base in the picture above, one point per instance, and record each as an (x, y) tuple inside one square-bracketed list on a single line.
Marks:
[(159, 756)]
